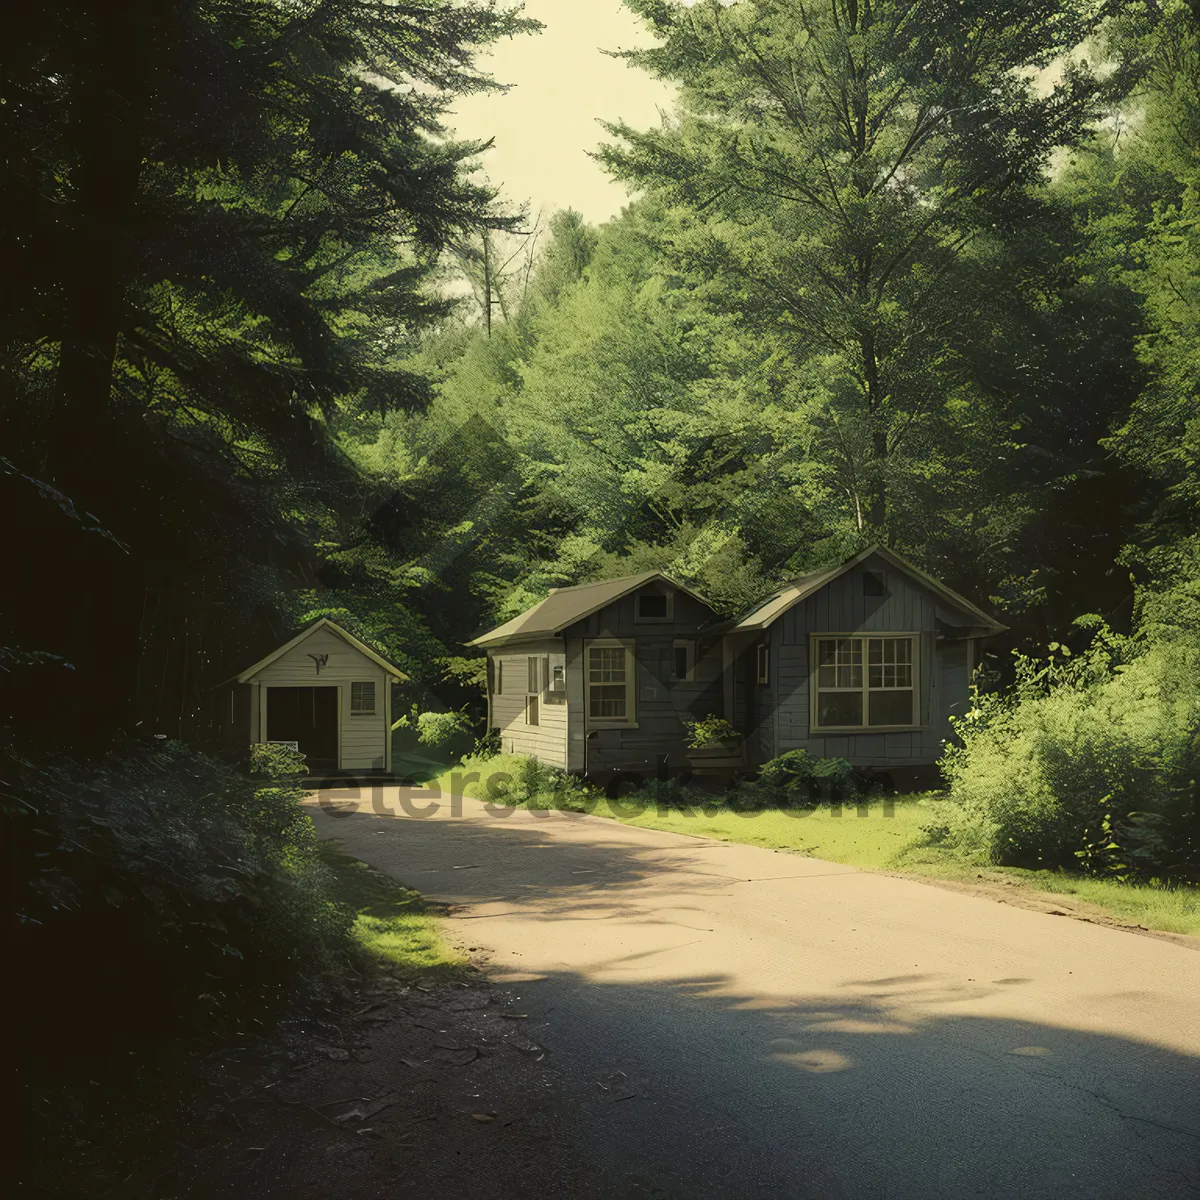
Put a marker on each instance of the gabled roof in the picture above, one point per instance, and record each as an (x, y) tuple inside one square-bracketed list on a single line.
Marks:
[(795, 590), (565, 606), (333, 627)]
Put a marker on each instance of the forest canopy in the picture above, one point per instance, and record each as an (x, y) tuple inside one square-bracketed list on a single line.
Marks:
[(913, 273)]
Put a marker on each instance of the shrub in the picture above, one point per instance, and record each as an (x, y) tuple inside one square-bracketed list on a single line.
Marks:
[(435, 728), (1088, 763), (167, 883), (533, 784), (709, 733), (796, 777)]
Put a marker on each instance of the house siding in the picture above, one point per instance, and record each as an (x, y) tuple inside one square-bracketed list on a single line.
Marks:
[(662, 703), (546, 741), (363, 740), (841, 607)]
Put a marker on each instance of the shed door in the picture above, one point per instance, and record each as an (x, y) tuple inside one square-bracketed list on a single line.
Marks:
[(309, 717)]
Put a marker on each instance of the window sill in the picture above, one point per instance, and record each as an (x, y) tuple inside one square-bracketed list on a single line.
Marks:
[(364, 714), (612, 725), (819, 730)]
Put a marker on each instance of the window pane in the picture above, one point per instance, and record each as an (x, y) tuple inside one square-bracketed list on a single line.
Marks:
[(362, 697), (839, 708), (890, 662), (607, 701), (681, 662), (606, 664), (534, 684), (653, 606), (891, 708), (531, 710)]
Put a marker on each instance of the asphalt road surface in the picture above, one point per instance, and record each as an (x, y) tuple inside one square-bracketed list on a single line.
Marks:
[(745, 1022)]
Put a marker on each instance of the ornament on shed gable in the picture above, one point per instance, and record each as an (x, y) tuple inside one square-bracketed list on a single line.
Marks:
[(320, 660)]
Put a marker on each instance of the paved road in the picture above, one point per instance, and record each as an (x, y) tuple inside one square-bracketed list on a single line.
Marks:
[(754, 1023)]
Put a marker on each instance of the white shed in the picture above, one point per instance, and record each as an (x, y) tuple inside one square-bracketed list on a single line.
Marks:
[(326, 691)]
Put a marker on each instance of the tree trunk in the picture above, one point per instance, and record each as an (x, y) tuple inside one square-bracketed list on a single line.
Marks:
[(112, 48), (876, 514)]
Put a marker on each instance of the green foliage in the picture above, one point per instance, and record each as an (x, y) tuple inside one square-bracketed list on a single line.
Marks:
[(795, 776), (435, 728), (533, 784), (276, 761), (166, 874), (221, 245), (710, 732), (1089, 763)]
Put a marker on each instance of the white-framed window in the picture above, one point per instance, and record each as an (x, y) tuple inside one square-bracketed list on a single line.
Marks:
[(862, 681), (762, 663), (362, 699), (609, 683), (533, 689), (683, 659), (652, 606)]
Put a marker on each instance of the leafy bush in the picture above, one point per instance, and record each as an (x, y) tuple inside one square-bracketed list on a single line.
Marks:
[(167, 883), (276, 761), (710, 732), (1088, 763), (795, 776), (435, 728), (536, 785)]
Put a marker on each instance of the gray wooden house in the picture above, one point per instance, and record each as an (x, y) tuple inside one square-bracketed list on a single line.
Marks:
[(866, 661), (602, 676)]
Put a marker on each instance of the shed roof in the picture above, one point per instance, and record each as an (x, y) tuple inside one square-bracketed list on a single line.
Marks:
[(565, 606), (333, 627), (791, 593)]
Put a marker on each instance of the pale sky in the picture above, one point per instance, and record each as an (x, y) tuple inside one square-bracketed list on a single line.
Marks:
[(563, 83)]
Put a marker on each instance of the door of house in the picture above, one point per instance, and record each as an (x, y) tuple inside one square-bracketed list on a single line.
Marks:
[(307, 716)]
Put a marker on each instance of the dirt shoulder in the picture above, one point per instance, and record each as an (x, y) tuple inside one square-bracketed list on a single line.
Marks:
[(1007, 890), (416, 1089)]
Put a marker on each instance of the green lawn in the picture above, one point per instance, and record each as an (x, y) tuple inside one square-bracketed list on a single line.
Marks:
[(881, 836), (395, 929)]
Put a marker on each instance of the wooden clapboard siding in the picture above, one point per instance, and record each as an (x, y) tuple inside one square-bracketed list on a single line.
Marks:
[(546, 741), (363, 739)]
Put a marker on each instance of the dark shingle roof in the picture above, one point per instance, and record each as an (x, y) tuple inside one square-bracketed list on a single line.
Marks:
[(795, 590), (565, 606)]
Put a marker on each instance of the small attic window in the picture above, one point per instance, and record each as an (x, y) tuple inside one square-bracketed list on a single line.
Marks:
[(653, 606), (874, 584)]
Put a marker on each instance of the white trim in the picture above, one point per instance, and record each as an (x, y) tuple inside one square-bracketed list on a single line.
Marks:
[(641, 594), (762, 664), (688, 644), (814, 688), (362, 712), (628, 646), (387, 726)]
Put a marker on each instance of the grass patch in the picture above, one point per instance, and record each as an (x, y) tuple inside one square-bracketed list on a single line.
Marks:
[(395, 929), (879, 835)]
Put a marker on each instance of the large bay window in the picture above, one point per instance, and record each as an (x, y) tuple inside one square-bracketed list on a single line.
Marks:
[(609, 683), (864, 682)]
